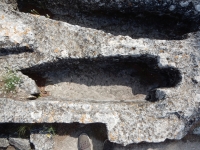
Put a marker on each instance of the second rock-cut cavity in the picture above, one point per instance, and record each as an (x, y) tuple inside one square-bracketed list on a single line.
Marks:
[(145, 21)]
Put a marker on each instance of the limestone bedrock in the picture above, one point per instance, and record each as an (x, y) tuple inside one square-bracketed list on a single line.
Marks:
[(33, 40)]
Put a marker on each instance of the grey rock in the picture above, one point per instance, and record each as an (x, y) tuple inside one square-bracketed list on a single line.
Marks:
[(22, 144), (197, 79), (31, 97), (160, 94), (184, 4), (42, 141), (175, 145), (163, 59), (196, 131), (115, 116), (4, 142), (11, 4), (28, 84), (197, 7), (172, 7), (37, 44)]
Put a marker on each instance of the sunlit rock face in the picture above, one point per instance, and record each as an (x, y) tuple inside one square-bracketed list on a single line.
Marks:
[(141, 81)]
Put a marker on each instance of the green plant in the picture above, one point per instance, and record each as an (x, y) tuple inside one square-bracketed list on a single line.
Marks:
[(10, 80), (23, 130), (49, 130)]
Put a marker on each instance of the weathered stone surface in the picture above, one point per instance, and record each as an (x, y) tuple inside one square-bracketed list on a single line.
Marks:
[(22, 144), (38, 44), (175, 145), (196, 79), (197, 131), (4, 142), (10, 4), (28, 84), (42, 141), (120, 118)]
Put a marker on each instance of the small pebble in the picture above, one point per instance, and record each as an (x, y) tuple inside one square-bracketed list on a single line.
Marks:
[(31, 97)]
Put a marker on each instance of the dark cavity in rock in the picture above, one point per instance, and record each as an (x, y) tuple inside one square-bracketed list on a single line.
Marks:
[(23, 130), (141, 73), (148, 21)]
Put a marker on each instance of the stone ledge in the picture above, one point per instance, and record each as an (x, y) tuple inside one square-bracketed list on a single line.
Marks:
[(120, 118)]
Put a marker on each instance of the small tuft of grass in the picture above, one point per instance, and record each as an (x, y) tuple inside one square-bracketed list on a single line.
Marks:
[(52, 130), (24, 130), (10, 80), (33, 11), (49, 130)]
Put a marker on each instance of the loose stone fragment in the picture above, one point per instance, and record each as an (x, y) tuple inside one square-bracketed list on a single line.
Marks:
[(4, 142), (42, 141), (22, 144)]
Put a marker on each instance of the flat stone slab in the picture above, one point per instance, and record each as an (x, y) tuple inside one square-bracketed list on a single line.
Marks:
[(119, 117)]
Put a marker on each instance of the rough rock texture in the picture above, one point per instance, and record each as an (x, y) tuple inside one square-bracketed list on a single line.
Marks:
[(37, 43), (42, 141), (22, 144), (175, 145), (197, 131), (28, 84), (126, 122), (4, 142), (11, 4)]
